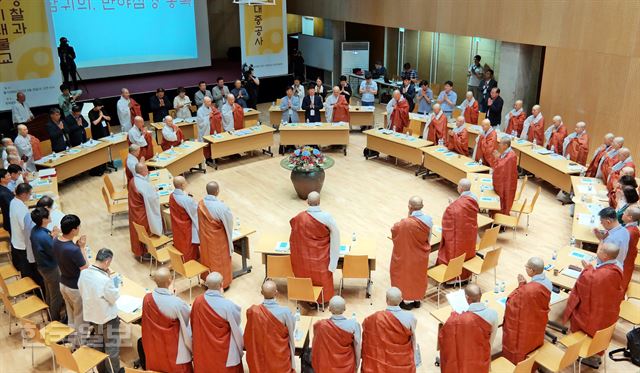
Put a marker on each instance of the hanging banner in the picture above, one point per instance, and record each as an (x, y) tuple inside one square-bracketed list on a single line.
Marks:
[(263, 38)]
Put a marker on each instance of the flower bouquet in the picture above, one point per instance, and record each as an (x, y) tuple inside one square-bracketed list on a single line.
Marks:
[(306, 159)]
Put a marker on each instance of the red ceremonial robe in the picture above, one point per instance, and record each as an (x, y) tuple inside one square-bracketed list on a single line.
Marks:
[(215, 126), (459, 142), (341, 110), (557, 139), (332, 349), (146, 151), (410, 257), (465, 344), (525, 320), (400, 116), (630, 259), (168, 144), (516, 123), (437, 129), (505, 180), (594, 301), (160, 338), (606, 166), (214, 245), (134, 109), (471, 113), (309, 242), (612, 183), (181, 227), (211, 338), (386, 345), (486, 146), (35, 147), (459, 232), (593, 166), (578, 149), (266, 341), (137, 214), (238, 117), (536, 132)]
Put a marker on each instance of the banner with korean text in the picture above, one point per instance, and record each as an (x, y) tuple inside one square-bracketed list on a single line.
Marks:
[(263, 37)]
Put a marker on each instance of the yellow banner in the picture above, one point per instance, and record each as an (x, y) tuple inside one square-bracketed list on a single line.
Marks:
[(263, 29)]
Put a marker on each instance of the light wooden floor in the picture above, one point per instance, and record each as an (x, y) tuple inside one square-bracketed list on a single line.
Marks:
[(365, 197)]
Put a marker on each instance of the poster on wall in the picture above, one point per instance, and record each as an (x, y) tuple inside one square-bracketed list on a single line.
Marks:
[(263, 37)]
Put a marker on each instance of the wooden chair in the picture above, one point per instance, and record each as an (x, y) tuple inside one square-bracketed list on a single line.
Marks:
[(157, 149), (116, 195), (124, 153), (527, 209), (456, 113), (278, 101), (8, 271), (446, 272), (53, 332), (630, 312), (477, 265), (4, 235), (509, 221), (520, 190), (279, 266), (154, 245), (81, 360), (172, 112), (5, 249), (591, 346), (633, 291), (489, 238), (356, 266), (302, 289), (555, 359), (151, 118), (19, 287), (23, 308), (503, 365), (189, 270), (113, 207), (481, 116)]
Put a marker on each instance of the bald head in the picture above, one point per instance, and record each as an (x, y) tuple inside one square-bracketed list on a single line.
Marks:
[(337, 305), (206, 101), (134, 149), (231, 98), (179, 182), (313, 199), (473, 293), (629, 171), (536, 265), (505, 141), (518, 105), (162, 277), (6, 141), (618, 142), (214, 281), (607, 251), (394, 296), (269, 289), (436, 108), (486, 124), (141, 169), (557, 120), (124, 93), (469, 95), (415, 203), (138, 121), (22, 130), (624, 153), (213, 188), (464, 185), (460, 121), (581, 127), (536, 109), (336, 91)]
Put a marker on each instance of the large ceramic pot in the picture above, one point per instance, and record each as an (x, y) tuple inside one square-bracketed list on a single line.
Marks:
[(306, 182)]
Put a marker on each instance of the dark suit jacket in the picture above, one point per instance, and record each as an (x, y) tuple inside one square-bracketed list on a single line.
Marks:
[(57, 136), (5, 200), (485, 91), (306, 106), (159, 112), (494, 111), (77, 134), (410, 95)]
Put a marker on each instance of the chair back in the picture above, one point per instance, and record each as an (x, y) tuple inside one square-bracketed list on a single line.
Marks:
[(172, 112), (279, 266), (355, 266), (454, 268), (521, 189), (156, 148), (107, 199), (489, 238), (5, 300), (300, 289), (144, 238), (491, 259), (519, 214), (64, 357), (456, 113), (31, 331), (600, 341), (481, 116), (570, 354), (124, 153), (3, 285), (151, 118), (176, 261), (278, 101), (534, 199), (526, 365), (108, 184), (633, 291)]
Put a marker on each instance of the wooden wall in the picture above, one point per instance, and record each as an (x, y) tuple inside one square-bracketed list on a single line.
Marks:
[(592, 61)]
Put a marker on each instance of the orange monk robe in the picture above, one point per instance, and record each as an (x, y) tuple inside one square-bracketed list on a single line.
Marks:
[(465, 344), (612, 182), (182, 227), (399, 118), (578, 148), (310, 252), (594, 301), (459, 141), (387, 345), (486, 144), (214, 243), (516, 123), (333, 349), (525, 320), (437, 128), (505, 179), (607, 163), (536, 132), (238, 117), (410, 256), (160, 339), (147, 150), (341, 111), (632, 253), (166, 144), (592, 169), (211, 339), (459, 231), (137, 214), (556, 141), (471, 113), (134, 109), (35, 147), (215, 123), (266, 341)]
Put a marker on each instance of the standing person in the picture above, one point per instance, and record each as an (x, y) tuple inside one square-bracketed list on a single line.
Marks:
[(57, 133), (240, 94), (554, 135), (533, 127), (17, 211), (368, 90), (398, 113), (424, 96), (474, 74), (408, 72), (515, 120), (613, 233), (75, 126), (220, 93), (494, 107), (336, 108), (298, 89), (159, 105), (139, 135), (447, 98), (127, 109), (100, 126), (289, 105), (320, 91), (99, 293), (67, 56), (203, 119), (144, 209), (6, 195), (457, 139), (232, 114), (297, 62), (469, 109), (436, 129), (575, 147), (182, 104), (171, 134), (486, 143), (20, 111), (630, 218), (486, 85), (28, 148), (67, 98), (252, 85), (311, 104), (184, 220), (345, 88), (408, 90), (505, 174), (201, 93)]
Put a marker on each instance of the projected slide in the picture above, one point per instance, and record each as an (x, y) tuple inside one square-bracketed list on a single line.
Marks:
[(118, 32)]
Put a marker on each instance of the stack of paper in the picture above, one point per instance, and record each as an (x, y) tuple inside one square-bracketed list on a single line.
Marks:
[(128, 304), (458, 301), (588, 220), (571, 273)]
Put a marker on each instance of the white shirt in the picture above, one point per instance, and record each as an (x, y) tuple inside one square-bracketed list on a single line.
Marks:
[(124, 114), (99, 296), (168, 133), (184, 112), (21, 113), (17, 211), (23, 143)]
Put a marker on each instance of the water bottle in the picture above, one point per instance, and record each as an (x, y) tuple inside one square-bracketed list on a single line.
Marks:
[(572, 242), (353, 237), (171, 150), (215, 133), (553, 148), (87, 249), (298, 332), (583, 172), (440, 142), (593, 219), (534, 143), (514, 134), (273, 103), (496, 289), (479, 164), (554, 255), (503, 286)]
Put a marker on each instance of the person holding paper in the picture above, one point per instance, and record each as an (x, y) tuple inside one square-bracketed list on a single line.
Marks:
[(398, 113), (458, 138), (575, 147), (410, 255), (144, 209), (184, 220), (526, 313), (298, 89), (533, 126), (75, 126), (289, 105), (232, 114), (486, 144), (171, 134), (182, 104), (138, 135), (436, 129), (28, 147), (215, 230), (269, 337), (600, 152), (515, 119), (465, 338), (217, 335), (127, 109), (610, 159), (505, 174), (166, 333), (336, 107), (388, 338), (630, 218), (460, 228), (337, 341), (315, 245), (469, 107), (311, 104), (554, 135), (133, 157)]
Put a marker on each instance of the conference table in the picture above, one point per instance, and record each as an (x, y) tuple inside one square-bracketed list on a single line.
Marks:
[(588, 189), (585, 219), (358, 115), (436, 231), (553, 168), (188, 126), (240, 237), (323, 134), (565, 277), (117, 144), (131, 293), (251, 117), (417, 123), (180, 159), (259, 137), (448, 164), (162, 181), (76, 160), (398, 145), (43, 186), (482, 188), (473, 130)]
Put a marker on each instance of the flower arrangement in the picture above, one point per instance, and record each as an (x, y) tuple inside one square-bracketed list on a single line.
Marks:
[(306, 159)]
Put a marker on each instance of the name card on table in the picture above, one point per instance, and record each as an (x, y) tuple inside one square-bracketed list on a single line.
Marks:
[(282, 247)]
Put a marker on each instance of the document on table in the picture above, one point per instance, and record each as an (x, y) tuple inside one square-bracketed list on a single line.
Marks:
[(571, 272), (128, 304), (588, 220), (555, 298), (586, 189), (458, 301), (282, 247), (581, 256)]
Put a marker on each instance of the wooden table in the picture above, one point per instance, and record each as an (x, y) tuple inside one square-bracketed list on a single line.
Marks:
[(449, 165), (473, 130), (117, 143), (133, 289), (315, 134), (589, 189), (568, 256), (162, 180), (180, 159), (41, 187), (436, 232), (417, 123), (358, 115), (189, 129), (482, 187), (251, 117), (241, 247), (585, 218), (76, 160), (275, 115), (406, 148), (553, 168), (225, 144)]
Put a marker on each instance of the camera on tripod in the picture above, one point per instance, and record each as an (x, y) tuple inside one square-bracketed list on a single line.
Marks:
[(247, 71)]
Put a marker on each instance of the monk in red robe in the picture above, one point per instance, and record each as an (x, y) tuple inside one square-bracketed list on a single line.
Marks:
[(184, 220), (470, 106), (165, 333), (410, 255), (134, 108), (144, 209), (460, 228), (617, 180), (269, 334), (388, 339), (336, 107), (533, 127), (526, 313), (458, 138), (315, 246), (215, 122), (610, 159), (436, 129), (35, 146), (398, 113), (603, 149), (486, 144), (515, 118), (140, 136), (630, 218), (232, 114), (576, 145), (555, 135), (465, 339), (133, 157), (505, 174), (171, 134)]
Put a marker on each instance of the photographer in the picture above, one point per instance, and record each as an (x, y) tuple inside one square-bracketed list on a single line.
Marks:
[(67, 62), (251, 85), (67, 99)]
